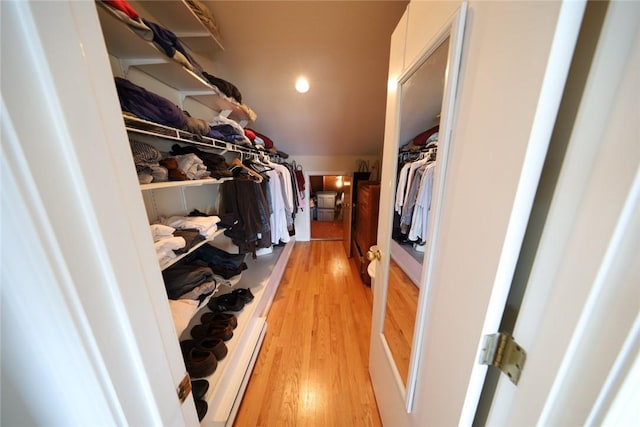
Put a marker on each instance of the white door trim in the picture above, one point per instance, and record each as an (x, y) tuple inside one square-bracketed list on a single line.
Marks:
[(70, 144)]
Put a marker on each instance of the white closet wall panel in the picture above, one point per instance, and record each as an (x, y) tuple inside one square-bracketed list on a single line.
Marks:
[(425, 19), (180, 201), (198, 109), (79, 163), (153, 85)]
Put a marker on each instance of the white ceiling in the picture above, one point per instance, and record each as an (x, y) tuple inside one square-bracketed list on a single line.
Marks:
[(342, 47)]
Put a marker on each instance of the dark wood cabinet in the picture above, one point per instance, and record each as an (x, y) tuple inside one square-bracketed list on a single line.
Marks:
[(366, 224)]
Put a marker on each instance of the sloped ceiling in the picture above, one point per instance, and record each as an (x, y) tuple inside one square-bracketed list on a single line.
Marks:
[(342, 47)]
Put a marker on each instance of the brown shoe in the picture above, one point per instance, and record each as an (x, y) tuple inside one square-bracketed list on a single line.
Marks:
[(212, 330)]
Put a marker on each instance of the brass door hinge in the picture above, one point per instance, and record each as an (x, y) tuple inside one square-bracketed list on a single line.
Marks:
[(503, 352), (184, 388)]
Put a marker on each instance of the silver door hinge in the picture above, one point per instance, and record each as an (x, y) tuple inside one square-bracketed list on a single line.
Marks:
[(503, 352)]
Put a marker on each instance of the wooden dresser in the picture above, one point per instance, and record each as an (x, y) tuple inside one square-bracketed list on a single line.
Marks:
[(366, 224)]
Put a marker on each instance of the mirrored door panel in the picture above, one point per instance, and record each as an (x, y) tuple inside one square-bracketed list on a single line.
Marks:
[(420, 110), (421, 94)]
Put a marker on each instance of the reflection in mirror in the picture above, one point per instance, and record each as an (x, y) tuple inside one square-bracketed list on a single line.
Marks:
[(402, 302), (421, 96)]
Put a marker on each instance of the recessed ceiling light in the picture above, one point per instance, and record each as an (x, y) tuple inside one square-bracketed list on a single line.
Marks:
[(302, 85)]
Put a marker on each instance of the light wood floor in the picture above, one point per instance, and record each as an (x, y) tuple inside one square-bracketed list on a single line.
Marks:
[(312, 369), (327, 229)]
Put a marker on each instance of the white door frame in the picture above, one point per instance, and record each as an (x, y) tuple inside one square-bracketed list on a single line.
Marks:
[(93, 305), (305, 234)]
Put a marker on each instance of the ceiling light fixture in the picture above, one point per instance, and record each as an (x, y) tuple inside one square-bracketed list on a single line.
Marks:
[(302, 85)]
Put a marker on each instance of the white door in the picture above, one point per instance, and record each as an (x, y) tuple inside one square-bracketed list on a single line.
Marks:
[(494, 133), (579, 320)]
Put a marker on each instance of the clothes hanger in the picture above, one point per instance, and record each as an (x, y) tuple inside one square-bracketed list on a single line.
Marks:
[(237, 163)]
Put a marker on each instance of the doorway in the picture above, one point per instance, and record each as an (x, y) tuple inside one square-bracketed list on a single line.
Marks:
[(327, 205)]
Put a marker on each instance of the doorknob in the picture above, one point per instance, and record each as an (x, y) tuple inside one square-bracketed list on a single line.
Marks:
[(374, 253)]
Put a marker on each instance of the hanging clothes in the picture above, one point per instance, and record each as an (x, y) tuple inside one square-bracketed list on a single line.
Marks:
[(413, 198), (422, 209), (246, 199)]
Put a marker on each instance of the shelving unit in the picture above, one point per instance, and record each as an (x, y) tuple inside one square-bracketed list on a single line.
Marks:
[(132, 51), (145, 127), (185, 23), (229, 380), (165, 265), (190, 183)]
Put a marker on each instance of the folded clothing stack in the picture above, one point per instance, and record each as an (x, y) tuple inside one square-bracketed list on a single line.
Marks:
[(206, 226), (221, 262)]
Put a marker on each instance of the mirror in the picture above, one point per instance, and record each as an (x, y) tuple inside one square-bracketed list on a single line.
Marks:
[(421, 93)]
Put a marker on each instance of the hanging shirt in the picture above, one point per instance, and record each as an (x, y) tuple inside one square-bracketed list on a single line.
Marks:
[(287, 189), (402, 184), (411, 197), (422, 210), (278, 217)]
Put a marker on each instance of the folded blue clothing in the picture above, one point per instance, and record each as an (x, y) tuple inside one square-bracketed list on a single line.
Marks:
[(148, 105), (169, 42), (217, 257)]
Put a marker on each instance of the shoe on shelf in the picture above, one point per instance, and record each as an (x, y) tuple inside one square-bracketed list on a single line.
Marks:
[(199, 363), (211, 317), (226, 302), (212, 330), (201, 408), (215, 345), (244, 294), (199, 388)]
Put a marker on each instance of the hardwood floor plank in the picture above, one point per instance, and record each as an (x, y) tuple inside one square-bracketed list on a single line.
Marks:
[(312, 369)]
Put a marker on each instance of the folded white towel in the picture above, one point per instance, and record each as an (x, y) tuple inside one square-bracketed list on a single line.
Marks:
[(160, 231)]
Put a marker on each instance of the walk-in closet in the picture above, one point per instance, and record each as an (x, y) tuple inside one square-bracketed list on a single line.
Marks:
[(351, 213)]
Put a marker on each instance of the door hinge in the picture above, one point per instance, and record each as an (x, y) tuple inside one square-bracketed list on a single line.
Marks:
[(184, 388), (503, 352)]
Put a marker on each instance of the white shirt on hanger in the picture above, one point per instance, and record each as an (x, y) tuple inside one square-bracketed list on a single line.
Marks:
[(278, 217), (422, 209)]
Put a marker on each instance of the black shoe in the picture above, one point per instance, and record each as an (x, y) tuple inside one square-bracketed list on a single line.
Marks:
[(226, 302), (244, 294), (201, 408), (199, 388)]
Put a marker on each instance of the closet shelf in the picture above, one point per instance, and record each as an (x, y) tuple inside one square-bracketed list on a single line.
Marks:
[(172, 261), (132, 51), (187, 183), (145, 127), (184, 22)]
